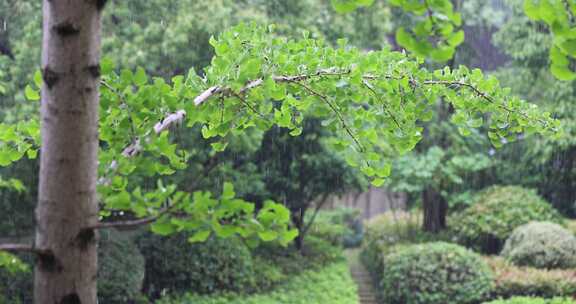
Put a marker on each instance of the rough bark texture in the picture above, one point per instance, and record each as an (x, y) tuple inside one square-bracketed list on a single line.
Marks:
[(435, 207), (68, 167)]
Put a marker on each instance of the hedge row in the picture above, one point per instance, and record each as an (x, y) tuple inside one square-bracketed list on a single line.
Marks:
[(332, 284)]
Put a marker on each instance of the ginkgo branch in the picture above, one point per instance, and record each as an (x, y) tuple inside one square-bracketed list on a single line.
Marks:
[(325, 99), (369, 87), (568, 11), (135, 222), (30, 248)]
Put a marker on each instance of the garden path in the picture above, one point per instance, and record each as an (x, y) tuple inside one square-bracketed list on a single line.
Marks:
[(362, 277)]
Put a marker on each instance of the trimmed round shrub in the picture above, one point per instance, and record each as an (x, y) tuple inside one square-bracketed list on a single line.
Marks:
[(541, 245), (530, 300), (121, 268), (435, 273), (512, 280), (496, 212), (174, 265)]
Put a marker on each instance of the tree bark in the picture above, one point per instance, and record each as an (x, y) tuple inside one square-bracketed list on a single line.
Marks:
[(435, 208), (298, 221), (68, 162)]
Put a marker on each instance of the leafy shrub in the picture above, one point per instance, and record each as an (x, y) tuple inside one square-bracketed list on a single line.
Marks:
[(528, 300), (527, 281), (315, 254), (15, 287), (541, 245), (175, 265), (389, 229), (342, 226), (571, 225), (496, 212), (331, 284), (435, 273), (121, 271)]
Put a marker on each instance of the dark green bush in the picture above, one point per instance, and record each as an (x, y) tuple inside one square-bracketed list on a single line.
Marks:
[(541, 245), (121, 270), (120, 273), (175, 265), (527, 281), (529, 300), (435, 273), (15, 287), (496, 212)]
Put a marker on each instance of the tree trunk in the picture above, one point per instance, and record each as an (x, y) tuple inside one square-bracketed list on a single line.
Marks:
[(435, 208), (68, 162), (298, 221)]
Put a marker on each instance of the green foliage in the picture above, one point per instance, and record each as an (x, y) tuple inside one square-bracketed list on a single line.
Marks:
[(331, 284), (559, 16), (11, 263), (496, 212), (177, 266), (342, 226), (541, 245), (435, 273), (526, 281), (531, 300), (315, 253), (301, 171), (347, 6), (16, 280), (437, 168), (436, 32), (121, 271)]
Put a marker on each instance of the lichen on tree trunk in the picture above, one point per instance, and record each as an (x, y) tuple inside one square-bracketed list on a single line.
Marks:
[(68, 161)]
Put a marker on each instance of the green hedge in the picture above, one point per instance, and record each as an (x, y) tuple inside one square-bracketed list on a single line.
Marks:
[(528, 300), (541, 245), (121, 268), (496, 212), (329, 285), (435, 273), (527, 281), (389, 229), (174, 265)]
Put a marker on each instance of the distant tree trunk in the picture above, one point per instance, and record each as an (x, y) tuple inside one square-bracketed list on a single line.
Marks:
[(68, 162), (298, 220), (435, 208)]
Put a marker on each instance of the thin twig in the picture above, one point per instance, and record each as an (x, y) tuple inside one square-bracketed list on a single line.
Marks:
[(334, 109), (135, 222), (367, 85), (247, 104), (30, 248), (569, 11), (319, 206), (480, 94)]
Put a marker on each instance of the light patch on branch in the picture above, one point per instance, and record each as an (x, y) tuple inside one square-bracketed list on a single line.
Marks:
[(168, 121), (207, 94)]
